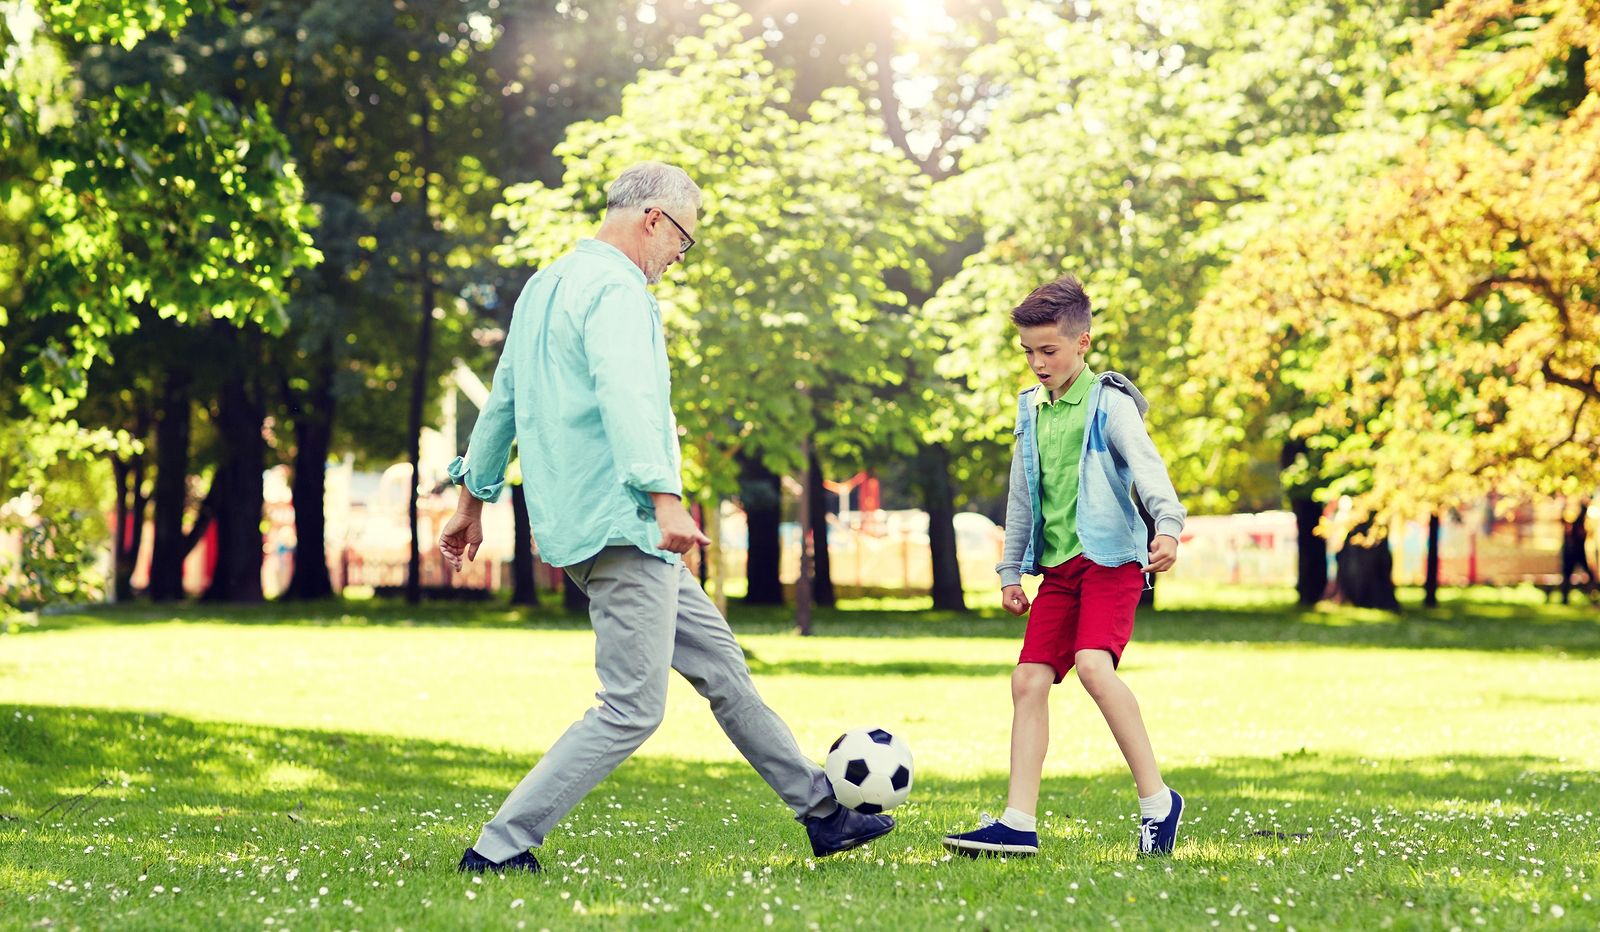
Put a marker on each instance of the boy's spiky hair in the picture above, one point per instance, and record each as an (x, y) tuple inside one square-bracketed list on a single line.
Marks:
[(1061, 302)]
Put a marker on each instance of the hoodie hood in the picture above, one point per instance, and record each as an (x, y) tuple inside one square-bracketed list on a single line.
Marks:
[(1125, 385)]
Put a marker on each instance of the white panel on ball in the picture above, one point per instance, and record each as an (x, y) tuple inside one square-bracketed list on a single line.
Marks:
[(870, 769)]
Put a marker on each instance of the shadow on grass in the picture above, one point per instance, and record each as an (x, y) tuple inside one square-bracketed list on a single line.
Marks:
[(106, 816), (845, 668), (1460, 624), (157, 765)]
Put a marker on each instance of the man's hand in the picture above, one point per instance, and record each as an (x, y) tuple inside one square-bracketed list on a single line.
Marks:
[(679, 533), (1163, 553), (463, 533), (1014, 600)]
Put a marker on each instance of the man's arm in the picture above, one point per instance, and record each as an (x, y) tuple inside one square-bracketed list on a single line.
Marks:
[(463, 533), (482, 472), (679, 533), (619, 339)]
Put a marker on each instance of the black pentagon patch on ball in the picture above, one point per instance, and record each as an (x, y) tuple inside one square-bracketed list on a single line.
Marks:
[(900, 779), (836, 742), (856, 772), (879, 736), (869, 808)]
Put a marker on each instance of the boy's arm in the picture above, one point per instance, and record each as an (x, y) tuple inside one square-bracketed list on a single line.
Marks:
[(1129, 438), (1019, 523)]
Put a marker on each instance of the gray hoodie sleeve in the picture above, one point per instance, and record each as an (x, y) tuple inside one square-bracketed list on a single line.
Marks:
[(1019, 523), (1125, 430)]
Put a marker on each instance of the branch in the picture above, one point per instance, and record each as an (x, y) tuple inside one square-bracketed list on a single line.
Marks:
[(202, 519), (1572, 434), (1589, 388), (889, 102)]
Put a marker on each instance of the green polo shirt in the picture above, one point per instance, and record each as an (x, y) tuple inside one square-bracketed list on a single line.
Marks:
[(1061, 426)]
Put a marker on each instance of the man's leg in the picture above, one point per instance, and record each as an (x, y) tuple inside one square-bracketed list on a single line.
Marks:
[(632, 602), (707, 655)]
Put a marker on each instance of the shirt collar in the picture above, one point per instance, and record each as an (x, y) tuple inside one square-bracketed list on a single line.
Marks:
[(594, 247), (1075, 393)]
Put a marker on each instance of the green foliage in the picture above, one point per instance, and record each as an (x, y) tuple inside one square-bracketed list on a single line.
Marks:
[(59, 522), (133, 199), (1137, 147), (783, 324), (1434, 337)]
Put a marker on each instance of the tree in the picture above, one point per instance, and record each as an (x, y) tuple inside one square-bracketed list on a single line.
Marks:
[(1444, 329), (121, 205), (801, 221), (1143, 177)]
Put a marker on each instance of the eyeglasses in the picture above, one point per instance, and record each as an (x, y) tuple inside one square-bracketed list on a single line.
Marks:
[(687, 242)]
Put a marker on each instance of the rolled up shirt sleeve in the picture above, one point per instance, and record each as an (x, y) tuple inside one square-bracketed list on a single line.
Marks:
[(483, 470), (627, 359)]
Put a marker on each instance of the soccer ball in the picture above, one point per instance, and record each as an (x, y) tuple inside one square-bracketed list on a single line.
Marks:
[(870, 770)]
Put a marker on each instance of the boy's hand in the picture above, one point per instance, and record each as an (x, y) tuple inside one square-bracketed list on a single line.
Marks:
[(1163, 553), (1014, 600)]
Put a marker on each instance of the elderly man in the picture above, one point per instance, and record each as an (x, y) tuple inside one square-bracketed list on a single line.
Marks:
[(583, 386)]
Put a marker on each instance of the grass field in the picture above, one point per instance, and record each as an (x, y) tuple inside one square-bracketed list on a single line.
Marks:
[(324, 766)]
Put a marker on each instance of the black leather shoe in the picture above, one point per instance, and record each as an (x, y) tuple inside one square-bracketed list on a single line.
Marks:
[(474, 863), (845, 829)]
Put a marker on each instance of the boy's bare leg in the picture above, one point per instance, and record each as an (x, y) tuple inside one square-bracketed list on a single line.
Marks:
[(1121, 711), (1030, 732)]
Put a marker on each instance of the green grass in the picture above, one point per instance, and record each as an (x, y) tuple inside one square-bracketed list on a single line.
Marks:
[(324, 766)]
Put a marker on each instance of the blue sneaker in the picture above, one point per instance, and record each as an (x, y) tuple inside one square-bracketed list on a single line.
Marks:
[(845, 829), (1157, 836), (993, 837), (474, 863)]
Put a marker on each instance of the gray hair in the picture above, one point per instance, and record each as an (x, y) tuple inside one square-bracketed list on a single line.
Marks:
[(653, 184)]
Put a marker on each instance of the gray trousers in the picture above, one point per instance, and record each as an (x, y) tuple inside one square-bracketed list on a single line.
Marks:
[(649, 616)]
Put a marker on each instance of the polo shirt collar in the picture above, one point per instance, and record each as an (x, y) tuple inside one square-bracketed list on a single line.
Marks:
[(1075, 393)]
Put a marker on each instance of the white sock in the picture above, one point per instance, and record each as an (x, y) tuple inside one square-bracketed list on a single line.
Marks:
[(1019, 820), (1158, 806)]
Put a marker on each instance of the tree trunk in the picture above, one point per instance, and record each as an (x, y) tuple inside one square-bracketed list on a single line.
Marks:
[(132, 500), (1366, 572), (803, 583), (171, 494), (1430, 585), (122, 563), (938, 497), (419, 381), (312, 412), (524, 587), (762, 497), (1311, 578), (822, 582), (240, 490)]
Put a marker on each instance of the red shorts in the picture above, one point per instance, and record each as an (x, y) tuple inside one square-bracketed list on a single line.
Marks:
[(1081, 605)]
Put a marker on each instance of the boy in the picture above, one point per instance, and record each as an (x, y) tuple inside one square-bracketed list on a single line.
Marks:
[(1081, 448)]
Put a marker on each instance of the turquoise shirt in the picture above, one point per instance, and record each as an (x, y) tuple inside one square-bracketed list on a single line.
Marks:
[(584, 389)]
